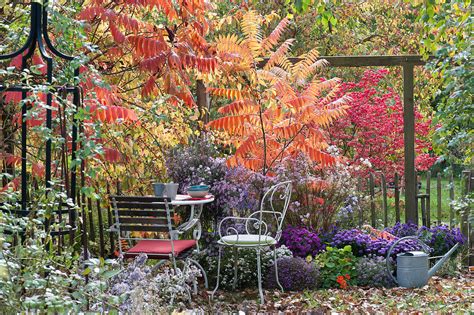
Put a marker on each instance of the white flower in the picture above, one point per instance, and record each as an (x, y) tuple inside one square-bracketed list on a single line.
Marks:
[(366, 162)]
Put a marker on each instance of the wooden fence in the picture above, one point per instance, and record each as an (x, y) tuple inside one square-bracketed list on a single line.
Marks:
[(379, 191)]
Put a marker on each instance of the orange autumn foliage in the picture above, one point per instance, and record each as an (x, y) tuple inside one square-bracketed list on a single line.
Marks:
[(278, 110), (163, 53)]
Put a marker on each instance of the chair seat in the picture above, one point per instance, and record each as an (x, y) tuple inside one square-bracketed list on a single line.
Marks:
[(161, 247), (247, 240)]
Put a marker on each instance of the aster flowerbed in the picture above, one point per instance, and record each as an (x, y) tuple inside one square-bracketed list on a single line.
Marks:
[(336, 258), (345, 270), (319, 247)]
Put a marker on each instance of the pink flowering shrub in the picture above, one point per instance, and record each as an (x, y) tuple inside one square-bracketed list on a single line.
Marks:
[(318, 193)]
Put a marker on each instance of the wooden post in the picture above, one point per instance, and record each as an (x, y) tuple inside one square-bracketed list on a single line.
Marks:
[(384, 200), (119, 187), (423, 209), (428, 199), (110, 223), (372, 200), (101, 230), (397, 198), (439, 197), (451, 199), (361, 211), (91, 220), (202, 101), (411, 215)]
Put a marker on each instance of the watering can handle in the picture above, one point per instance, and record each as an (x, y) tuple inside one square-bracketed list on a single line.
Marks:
[(387, 260)]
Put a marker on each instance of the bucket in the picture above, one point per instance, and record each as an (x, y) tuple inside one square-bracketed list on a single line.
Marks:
[(159, 189), (171, 190)]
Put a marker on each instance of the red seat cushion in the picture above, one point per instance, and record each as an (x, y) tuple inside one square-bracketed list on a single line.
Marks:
[(161, 247)]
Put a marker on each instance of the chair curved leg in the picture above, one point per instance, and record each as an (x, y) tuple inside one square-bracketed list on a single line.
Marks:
[(276, 269), (187, 266), (197, 264), (157, 265), (259, 272), (218, 272), (236, 267), (173, 260)]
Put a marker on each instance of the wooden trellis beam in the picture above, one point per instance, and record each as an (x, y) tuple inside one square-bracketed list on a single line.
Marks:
[(365, 61)]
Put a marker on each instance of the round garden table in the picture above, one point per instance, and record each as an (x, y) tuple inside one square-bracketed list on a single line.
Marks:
[(194, 216)]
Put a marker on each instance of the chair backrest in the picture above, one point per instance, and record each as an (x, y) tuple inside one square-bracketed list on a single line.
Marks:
[(275, 203), (142, 214)]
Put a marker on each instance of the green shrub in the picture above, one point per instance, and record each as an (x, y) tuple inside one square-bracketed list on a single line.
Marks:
[(334, 263), (34, 278)]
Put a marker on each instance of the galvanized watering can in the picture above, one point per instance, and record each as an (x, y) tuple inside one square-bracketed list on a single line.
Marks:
[(413, 267)]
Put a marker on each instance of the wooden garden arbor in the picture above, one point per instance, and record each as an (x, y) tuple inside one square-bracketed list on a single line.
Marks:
[(407, 62)]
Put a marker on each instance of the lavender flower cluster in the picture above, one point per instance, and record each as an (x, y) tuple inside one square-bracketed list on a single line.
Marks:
[(193, 165), (170, 289), (347, 210), (236, 190), (301, 241), (359, 242), (294, 274), (440, 238), (363, 244), (403, 229), (198, 164), (125, 282), (372, 272), (142, 290)]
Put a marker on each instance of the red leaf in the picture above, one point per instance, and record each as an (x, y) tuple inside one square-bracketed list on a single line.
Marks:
[(116, 34), (14, 185), (149, 88), (111, 155), (12, 160), (37, 169)]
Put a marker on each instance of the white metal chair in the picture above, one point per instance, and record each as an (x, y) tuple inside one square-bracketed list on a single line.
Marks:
[(263, 229)]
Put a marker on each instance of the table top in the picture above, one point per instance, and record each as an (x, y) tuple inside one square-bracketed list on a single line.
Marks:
[(185, 200)]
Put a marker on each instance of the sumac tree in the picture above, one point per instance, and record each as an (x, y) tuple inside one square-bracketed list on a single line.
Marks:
[(277, 111), (154, 45)]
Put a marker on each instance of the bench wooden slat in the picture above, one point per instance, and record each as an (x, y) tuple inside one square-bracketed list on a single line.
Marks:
[(140, 205), (143, 213), (144, 228), (139, 199), (135, 220)]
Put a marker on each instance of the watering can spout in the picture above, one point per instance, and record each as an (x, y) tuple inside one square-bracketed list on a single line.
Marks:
[(440, 262)]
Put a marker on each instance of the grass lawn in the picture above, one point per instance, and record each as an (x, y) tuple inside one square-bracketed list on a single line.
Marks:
[(445, 295)]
